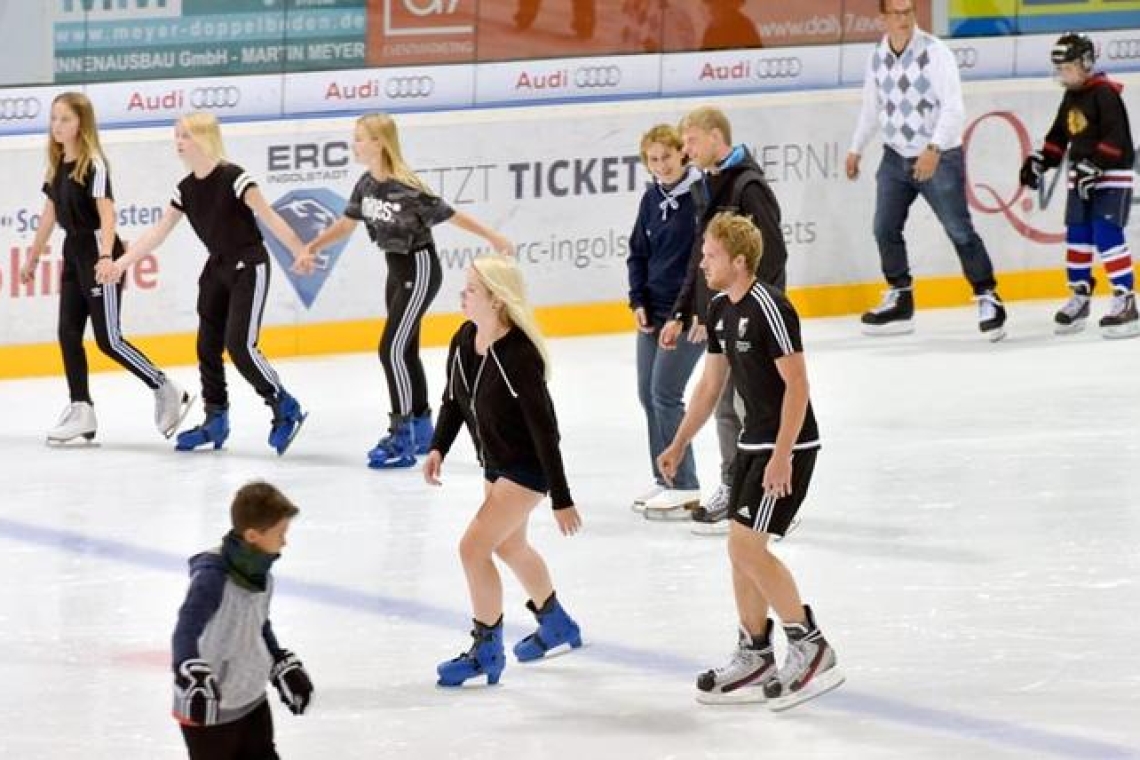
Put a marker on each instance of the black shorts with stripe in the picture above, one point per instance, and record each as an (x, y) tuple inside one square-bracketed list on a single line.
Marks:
[(751, 507)]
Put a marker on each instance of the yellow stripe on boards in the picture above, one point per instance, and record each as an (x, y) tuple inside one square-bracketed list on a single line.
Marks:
[(557, 321)]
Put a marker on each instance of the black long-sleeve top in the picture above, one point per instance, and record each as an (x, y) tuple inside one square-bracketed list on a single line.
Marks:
[(728, 189), (502, 397), (1093, 123)]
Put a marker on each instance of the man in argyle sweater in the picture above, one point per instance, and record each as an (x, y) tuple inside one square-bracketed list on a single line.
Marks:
[(913, 94)]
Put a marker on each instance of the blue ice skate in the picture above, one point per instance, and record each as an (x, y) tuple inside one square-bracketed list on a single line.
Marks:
[(422, 432), (214, 429), (485, 657), (397, 448), (287, 420), (555, 628)]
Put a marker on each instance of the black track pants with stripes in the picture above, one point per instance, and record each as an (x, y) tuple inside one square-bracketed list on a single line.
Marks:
[(82, 299), (231, 300), (413, 282)]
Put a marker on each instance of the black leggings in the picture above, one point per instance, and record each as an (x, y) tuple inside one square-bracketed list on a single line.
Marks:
[(231, 301), (413, 281), (80, 299), (248, 738)]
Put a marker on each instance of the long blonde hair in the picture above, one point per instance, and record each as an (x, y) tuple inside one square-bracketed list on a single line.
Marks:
[(381, 128), (203, 128), (503, 278), (88, 147)]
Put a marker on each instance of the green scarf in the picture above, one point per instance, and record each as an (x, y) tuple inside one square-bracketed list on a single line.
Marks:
[(247, 565)]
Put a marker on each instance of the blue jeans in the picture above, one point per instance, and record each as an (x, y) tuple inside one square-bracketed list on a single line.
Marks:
[(897, 190), (661, 379)]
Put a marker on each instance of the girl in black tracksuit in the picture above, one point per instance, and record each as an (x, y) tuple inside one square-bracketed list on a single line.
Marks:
[(223, 203), (79, 199), (399, 211), (496, 385)]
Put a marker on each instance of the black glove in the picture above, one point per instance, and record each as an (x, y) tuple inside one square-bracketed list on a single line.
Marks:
[(1032, 170), (196, 694), (1087, 175), (292, 682)]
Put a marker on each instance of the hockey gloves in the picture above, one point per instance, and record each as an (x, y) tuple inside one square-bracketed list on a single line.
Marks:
[(1032, 170), (196, 694), (292, 682), (1088, 174)]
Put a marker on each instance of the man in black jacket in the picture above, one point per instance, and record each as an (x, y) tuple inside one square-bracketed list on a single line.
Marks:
[(733, 182)]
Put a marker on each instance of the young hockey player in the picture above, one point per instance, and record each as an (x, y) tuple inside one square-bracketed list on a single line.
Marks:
[(1092, 123)]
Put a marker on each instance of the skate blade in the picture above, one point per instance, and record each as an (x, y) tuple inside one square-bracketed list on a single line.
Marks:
[(1070, 329), (817, 687), (746, 695), (1120, 333), (719, 528), (83, 441), (188, 400), (901, 327), (673, 514), (993, 336), (296, 430), (561, 650)]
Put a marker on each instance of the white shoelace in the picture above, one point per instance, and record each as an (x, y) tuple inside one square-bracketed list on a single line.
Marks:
[(70, 414), (890, 300), (719, 499), (987, 306), (1119, 304), (1075, 305)]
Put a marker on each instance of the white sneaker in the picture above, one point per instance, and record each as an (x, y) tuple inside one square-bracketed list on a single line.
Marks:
[(78, 419), (171, 405), (639, 502), (671, 504)]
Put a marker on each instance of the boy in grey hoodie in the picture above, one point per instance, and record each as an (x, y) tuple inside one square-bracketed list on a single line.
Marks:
[(224, 649)]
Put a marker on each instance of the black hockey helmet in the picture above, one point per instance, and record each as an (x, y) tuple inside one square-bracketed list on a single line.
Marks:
[(1074, 47)]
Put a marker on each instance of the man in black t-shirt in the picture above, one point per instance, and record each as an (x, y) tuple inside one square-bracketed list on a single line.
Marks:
[(754, 332)]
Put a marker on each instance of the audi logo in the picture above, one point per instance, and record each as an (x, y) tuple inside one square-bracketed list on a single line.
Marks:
[(967, 57), (778, 68), (1124, 50), (597, 76), (19, 109), (225, 96), (409, 87)]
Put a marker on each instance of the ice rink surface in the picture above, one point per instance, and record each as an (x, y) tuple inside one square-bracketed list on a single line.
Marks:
[(969, 546)]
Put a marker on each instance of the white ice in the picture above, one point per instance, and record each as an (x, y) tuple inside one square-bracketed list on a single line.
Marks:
[(969, 546)]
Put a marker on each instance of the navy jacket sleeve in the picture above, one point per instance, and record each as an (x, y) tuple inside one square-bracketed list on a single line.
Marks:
[(638, 261), (207, 584), (271, 644), (450, 420)]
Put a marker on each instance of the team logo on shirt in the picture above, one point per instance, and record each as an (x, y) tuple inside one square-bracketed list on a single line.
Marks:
[(379, 210), (308, 211)]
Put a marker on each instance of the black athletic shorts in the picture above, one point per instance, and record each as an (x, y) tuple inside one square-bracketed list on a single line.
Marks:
[(751, 507), (527, 478)]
